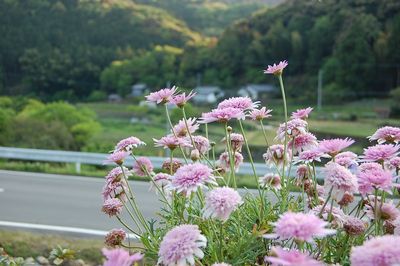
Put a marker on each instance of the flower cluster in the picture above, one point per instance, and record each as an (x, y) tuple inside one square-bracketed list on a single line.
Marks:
[(288, 218)]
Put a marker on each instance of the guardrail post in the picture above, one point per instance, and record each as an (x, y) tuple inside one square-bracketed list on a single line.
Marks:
[(78, 167)]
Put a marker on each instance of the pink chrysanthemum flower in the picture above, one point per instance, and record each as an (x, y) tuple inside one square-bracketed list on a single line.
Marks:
[(128, 144), (142, 166), (237, 141), (181, 245), (162, 96), (221, 264), (336, 216), (180, 129), (190, 177), (380, 250), (371, 176), (115, 237), (340, 180), (294, 128), (300, 226), (302, 113), (220, 203), (394, 163), (276, 156), (162, 179), (270, 180), (117, 157), (224, 161), (112, 206), (386, 134), (385, 211), (334, 146), (180, 100), (222, 115), (280, 256), (242, 103), (354, 226), (347, 159), (396, 224), (120, 257), (202, 144), (116, 185), (310, 156), (276, 69), (303, 142), (260, 114), (171, 142), (380, 152)]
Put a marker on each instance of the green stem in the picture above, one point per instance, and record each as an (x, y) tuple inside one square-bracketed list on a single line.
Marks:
[(173, 131), (286, 119), (231, 157)]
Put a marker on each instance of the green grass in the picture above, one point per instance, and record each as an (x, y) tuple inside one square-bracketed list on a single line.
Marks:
[(24, 244)]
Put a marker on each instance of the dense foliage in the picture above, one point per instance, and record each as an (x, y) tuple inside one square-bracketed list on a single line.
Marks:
[(33, 124)]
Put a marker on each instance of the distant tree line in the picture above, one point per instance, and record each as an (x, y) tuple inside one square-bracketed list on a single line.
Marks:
[(72, 49)]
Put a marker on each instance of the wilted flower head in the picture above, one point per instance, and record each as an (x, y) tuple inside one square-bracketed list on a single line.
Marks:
[(336, 216), (260, 114), (174, 163), (181, 245), (294, 128), (142, 166), (117, 157), (276, 69), (128, 144), (304, 171), (354, 226), (372, 175), (340, 179), (380, 152), (300, 226), (202, 144), (242, 103), (302, 113), (237, 141), (222, 115), (171, 142), (120, 257), (347, 159), (180, 100), (190, 177), (334, 146), (224, 160), (181, 130), (271, 180), (221, 202), (280, 256), (162, 96), (380, 250), (115, 237), (310, 156), (276, 155), (386, 134), (303, 142), (112, 206)]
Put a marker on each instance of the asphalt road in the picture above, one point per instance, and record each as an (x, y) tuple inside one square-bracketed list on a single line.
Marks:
[(40, 201)]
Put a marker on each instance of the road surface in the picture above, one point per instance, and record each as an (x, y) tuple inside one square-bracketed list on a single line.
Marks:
[(62, 203)]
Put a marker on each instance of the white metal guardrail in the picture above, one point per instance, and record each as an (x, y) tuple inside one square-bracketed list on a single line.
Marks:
[(79, 158)]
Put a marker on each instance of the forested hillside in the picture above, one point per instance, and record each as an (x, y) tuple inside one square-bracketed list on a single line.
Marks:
[(354, 42), (59, 48)]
